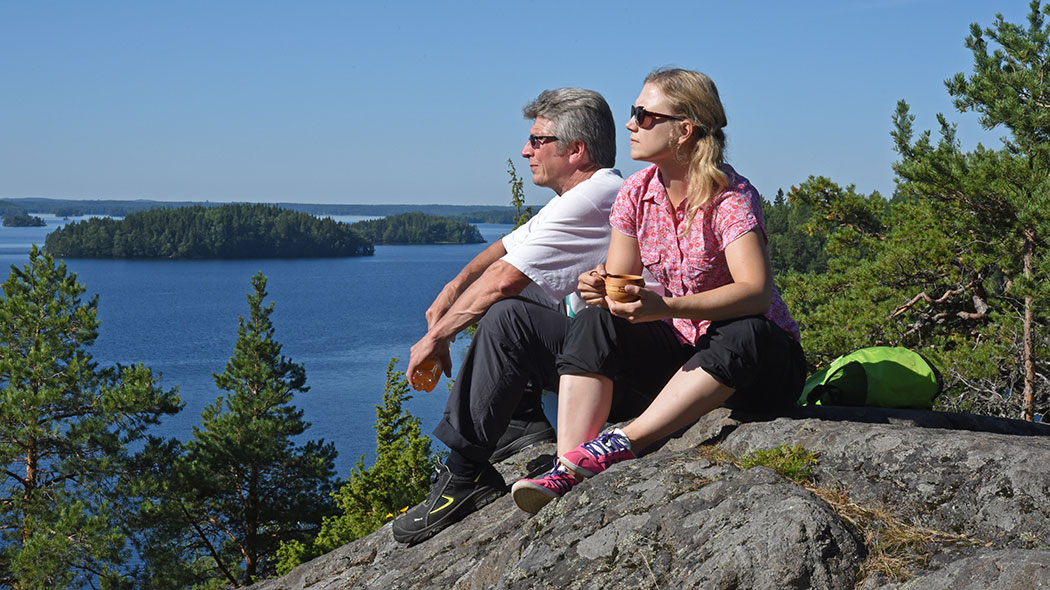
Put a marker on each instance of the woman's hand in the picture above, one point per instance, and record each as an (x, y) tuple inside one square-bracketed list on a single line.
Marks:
[(651, 306), (592, 286)]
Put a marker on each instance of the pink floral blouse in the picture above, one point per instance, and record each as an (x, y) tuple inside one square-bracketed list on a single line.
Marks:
[(695, 262)]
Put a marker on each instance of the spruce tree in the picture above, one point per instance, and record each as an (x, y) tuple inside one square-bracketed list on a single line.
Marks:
[(244, 484), (65, 428), (373, 495)]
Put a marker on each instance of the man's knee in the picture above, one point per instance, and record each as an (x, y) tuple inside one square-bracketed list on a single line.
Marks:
[(504, 316)]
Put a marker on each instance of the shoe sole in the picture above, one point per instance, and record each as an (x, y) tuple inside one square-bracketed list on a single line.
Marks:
[(521, 443), (531, 497), (468, 506)]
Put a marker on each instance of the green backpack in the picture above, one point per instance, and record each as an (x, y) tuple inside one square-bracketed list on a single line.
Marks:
[(880, 376)]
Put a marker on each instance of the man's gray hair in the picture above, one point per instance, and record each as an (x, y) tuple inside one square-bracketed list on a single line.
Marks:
[(578, 114)]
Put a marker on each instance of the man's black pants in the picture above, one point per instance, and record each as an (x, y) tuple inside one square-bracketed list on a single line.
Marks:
[(511, 360)]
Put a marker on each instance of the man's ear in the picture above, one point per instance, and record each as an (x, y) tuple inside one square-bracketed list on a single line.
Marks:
[(577, 151)]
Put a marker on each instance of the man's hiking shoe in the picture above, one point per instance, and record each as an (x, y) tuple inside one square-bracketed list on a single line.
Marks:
[(595, 456), (521, 434), (533, 494), (451, 498)]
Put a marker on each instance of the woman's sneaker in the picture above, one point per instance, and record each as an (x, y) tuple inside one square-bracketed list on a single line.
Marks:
[(533, 494), (595, 456)]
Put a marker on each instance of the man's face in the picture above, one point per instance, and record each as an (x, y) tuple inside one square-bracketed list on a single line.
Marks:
[(550, 165)]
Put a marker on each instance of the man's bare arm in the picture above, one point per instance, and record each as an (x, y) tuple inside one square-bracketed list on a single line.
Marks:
[(466, 277), (500, 281)]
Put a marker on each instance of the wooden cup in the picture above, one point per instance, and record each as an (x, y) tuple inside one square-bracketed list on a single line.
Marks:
[(614, 287)]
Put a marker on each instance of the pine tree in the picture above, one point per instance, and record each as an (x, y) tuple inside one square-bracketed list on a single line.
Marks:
[(65, 426), (243, 484), (397, 480), (997, 202)]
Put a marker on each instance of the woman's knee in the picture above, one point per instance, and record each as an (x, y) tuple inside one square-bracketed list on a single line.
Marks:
[(592, 315)]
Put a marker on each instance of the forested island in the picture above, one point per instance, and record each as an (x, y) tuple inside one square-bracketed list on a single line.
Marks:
[(229, 231), (247, 231), (418, 228), (23, 221)]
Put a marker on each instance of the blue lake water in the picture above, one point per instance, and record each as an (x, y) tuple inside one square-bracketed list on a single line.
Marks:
[(342, 318)]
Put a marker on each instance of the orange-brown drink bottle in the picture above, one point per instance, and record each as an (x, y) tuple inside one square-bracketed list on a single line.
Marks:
[(426, 375)]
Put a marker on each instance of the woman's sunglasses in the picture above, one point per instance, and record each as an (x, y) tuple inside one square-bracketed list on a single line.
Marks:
[(645, 118)]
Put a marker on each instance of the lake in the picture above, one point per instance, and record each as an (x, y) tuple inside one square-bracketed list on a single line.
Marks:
[(342, 318)]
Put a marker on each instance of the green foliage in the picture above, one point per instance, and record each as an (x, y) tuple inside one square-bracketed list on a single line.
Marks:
[(517, 196), (793, 247), (793, 463), (65, 426), (23, 221), (955, 266), (994, 203), (418, 228), (371, 496), (835, 315), (905, 279), (242, 486), (229, 231)]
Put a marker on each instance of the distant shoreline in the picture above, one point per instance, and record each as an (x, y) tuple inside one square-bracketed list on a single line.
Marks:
[(118, 207)]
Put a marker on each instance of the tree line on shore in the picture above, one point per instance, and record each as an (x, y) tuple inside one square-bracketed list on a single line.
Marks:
[(123, 208), (418, 228)]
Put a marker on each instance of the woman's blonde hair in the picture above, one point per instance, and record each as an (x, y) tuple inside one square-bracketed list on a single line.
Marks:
[(693, 96)]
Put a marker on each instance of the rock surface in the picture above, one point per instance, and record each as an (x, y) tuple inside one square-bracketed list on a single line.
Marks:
[(975, 491)]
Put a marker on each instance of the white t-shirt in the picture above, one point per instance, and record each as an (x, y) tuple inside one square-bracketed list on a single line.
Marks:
[(567, 237)]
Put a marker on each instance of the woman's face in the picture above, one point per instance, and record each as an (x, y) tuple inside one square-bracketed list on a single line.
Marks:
[(656, 140)]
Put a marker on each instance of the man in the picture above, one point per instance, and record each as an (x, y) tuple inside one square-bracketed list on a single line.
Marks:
[(519, 284)]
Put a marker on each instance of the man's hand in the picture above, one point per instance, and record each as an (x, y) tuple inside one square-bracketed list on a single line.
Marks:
[(591, 286), (428, 348), (650, 306)]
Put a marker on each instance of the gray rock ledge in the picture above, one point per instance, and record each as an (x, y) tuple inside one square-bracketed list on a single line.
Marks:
[(676, 519)]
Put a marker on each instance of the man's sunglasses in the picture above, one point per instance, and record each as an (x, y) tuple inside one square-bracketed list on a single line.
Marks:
[(645, 118), (537, 140)]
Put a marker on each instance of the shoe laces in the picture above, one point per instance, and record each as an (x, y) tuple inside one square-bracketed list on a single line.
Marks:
[(607, 443), (561, 478), (561, 470)]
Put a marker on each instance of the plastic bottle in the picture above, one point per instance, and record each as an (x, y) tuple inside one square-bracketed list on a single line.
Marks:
[(426, 375)]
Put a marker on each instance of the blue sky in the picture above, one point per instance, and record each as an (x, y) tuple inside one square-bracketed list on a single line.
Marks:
[(420, 102)]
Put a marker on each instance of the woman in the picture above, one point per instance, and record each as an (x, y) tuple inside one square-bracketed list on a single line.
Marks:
[(720, 331)]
